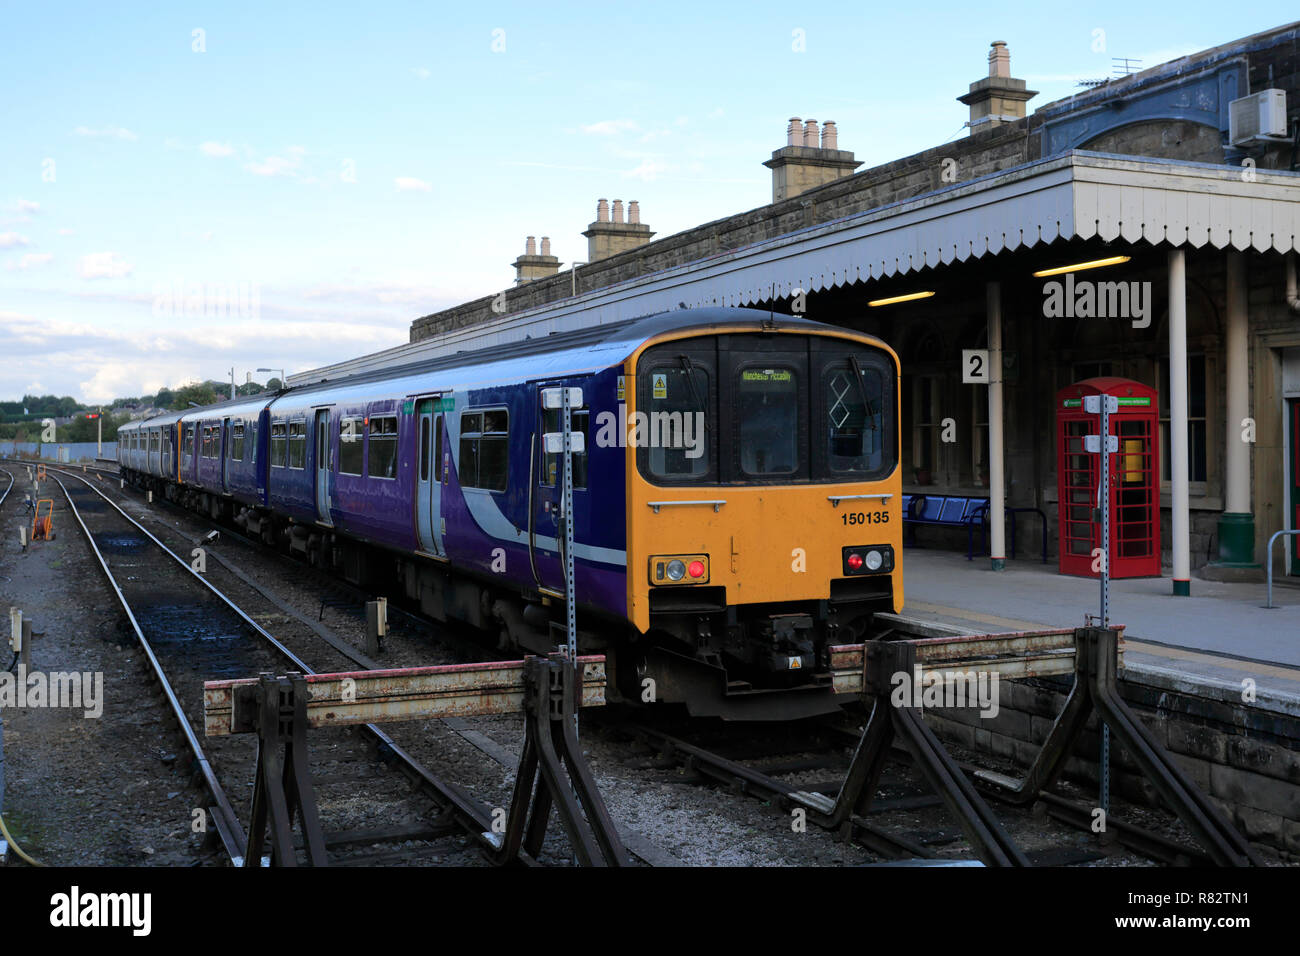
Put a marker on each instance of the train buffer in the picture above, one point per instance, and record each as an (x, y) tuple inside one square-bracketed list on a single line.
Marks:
[(878, 670), (43, 521), (280, 709)]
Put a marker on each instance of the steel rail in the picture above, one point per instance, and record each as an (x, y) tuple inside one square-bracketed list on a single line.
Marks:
[(472, 817), (227, 821), (4, 496)]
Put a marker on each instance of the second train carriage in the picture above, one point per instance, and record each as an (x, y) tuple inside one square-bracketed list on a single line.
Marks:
[(736, 510)]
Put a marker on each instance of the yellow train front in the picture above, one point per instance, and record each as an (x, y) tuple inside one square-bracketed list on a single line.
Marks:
[(769, 527)]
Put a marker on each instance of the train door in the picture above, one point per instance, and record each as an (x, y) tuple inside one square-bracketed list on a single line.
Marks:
[(546, 490), (224, 449), (323, 465), (428, 501)]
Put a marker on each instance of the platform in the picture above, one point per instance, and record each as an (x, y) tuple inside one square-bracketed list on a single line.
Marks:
[(1218, 636)]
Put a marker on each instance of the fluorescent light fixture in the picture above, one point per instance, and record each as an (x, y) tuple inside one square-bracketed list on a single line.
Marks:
[(1080, 266), (900, 298)]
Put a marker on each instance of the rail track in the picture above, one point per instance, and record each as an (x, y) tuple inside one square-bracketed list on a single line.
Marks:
[(906, 819), (190, 631)]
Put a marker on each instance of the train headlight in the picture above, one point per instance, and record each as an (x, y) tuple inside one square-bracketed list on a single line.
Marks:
[(667, 569), (874, 560)]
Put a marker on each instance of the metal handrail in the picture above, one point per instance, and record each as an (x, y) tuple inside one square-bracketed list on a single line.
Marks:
[(1276, 535), (656, 505)]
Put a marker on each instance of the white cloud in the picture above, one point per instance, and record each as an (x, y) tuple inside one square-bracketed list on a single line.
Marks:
[(609, 127), (10, 240), (411, 184), (422, 72), (275, 166), (648, 170), (30, 261), (104, 265), (217, 149), (67, 232), (108, 132), (27, 207)]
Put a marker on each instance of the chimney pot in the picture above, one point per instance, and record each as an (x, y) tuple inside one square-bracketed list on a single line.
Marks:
[(794, 132), (810, 133), (602, 210), (999, 59), (530, 246), (546, 245), (633, 212), (618, 210), (829, 136)]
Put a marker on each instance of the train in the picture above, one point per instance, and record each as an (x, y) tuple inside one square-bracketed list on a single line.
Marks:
[(736, 499)]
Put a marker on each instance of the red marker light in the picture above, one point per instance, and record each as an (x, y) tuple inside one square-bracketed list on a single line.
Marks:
[(695, 569), (855, 561)]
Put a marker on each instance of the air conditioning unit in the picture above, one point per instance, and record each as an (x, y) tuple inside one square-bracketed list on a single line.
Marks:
[(1261, 114)]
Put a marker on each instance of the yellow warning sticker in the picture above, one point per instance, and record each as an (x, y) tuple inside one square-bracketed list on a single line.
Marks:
[(622, 389), (660, 383), (796, 663)]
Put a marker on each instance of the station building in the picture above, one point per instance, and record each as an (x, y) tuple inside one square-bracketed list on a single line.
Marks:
[(1145, 229)]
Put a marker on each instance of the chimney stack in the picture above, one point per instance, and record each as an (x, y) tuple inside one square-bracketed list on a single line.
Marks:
[(998, 98), (606, 237), (805, 162), (531, 266)]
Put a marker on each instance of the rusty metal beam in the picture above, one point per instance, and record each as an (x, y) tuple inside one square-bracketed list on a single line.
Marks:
[(1011, 655), (381, 696)]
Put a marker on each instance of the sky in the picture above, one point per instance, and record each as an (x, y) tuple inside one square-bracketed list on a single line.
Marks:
[(203, 187)]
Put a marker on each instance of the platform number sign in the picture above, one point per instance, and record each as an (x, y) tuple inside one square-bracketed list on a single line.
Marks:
[(975, 366)]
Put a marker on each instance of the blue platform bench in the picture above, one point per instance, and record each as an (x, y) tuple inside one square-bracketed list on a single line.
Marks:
[(950, 511)]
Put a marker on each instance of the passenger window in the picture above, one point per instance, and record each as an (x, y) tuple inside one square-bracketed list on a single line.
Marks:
[(278, 452), (383, 446), (352, 445), (236, 450), (297, 439), (439, 425), (424, 449), (553, 464), (485, 449)]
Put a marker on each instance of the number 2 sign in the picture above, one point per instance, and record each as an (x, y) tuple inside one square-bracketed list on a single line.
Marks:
[(975, 366)]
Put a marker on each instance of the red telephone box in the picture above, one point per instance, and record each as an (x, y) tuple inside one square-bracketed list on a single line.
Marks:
[(1134, 479)]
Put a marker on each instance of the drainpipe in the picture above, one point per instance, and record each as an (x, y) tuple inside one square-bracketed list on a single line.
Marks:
[(1292, 295)]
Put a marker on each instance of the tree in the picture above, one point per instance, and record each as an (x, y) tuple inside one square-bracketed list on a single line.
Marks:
[(200, 394), (274, 384), (166, 398)]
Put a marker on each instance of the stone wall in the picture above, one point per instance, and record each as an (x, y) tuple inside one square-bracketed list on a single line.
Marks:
[(1246, 759)]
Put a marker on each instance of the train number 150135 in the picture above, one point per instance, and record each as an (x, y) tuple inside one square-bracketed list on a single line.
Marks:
[(865, 517)]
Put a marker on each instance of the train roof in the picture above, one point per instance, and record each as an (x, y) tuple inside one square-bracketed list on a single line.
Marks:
[(559, 353), (600, 345)]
